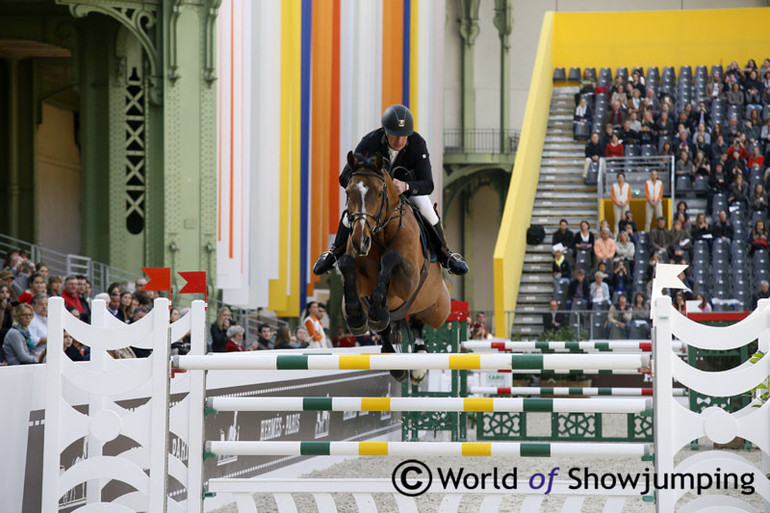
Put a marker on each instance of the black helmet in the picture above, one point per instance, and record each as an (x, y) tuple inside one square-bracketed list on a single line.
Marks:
[(397, 120)]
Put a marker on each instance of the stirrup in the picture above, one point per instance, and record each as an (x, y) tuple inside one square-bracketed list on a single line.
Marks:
[(456, 264), (324, 263)]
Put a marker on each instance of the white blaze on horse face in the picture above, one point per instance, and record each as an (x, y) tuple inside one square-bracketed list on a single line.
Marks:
[(363, 189)]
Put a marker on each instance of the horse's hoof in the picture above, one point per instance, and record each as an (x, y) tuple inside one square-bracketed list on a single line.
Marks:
[(378, 325), (359, 330), (417, 376), (399, 375)]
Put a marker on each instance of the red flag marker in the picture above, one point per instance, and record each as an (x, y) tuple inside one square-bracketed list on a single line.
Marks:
[(196, 283), (159, 278)]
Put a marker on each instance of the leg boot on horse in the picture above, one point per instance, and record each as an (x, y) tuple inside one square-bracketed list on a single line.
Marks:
[(355, 317), (327, 259), (391, 343), (416, 376)]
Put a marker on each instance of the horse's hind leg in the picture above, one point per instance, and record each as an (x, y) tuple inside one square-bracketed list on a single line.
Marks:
[(419, 347), (379, 315), (354, 312), (388, 336)]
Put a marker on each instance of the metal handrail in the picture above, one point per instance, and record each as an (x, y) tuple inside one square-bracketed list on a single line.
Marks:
[(480, 140)]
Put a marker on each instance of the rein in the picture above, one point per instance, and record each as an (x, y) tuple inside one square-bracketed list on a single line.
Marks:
[(379, 223)]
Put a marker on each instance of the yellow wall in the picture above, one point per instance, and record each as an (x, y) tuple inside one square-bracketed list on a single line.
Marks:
[(662, 38), (511, 244), (601, 39)]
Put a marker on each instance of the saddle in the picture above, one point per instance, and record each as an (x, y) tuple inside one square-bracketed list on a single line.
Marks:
[(428, 251)]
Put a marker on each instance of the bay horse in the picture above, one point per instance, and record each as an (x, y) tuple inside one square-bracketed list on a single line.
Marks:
[(386, 275)]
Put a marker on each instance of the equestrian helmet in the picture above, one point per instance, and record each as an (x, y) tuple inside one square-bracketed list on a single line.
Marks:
[(397, 120)]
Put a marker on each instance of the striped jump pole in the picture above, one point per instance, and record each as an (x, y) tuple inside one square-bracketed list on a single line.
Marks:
[(574, 372), (444, 404), (417, 449), (569, 391), (532, 346), (411, 361)]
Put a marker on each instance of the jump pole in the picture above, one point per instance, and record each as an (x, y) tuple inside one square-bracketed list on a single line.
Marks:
[(569, 391)]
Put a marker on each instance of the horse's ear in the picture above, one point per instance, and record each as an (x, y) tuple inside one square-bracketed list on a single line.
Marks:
[(378, 161), (351, 160)]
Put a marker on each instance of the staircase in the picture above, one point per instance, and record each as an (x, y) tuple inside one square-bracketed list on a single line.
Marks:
[(561, 194)]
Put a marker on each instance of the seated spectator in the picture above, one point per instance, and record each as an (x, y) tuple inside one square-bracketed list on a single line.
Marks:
[(604, 248), (627, 135), (684, 166), (650, 272), (18, 346), (578, 289), (664, 129), (722, 228), (615, 115), (563, 235), (55, 286), (619, 317), (342, 339), (481, 324), (680, 242), (719, 183), (701, 230), (265, 337), (599, 291), (554, 320), (586, 85), (235, 336), (752, 88), (735, 95), (628, 220), (38, 328), (303, 337), (681, 208), (758, 199), (71, 296), (653, 193), (736, 165), (620, 281), (679, 303), (218, 328), (762, 293), (113, 305), (560, 266), (756, 159), (583, 116), (700, 117), (614, 148), (73, 349), (758, 237), (594, 150), (660, 237), (753, 128), (739, 192), (127, 312), (703, 305), (647, 133), (651, 102), (606, 136), (584, 240), (682, 143), (624, 249), (701, 164), (36, 286)]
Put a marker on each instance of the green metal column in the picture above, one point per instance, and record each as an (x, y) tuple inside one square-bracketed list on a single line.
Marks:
[(12, 210), (469, 31), (504, 24)]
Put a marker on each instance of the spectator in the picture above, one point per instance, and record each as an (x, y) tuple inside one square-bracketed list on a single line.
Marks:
[(614, 148), (599, 291), (640, 312), (703, 304), (18, 346), (758, 237), (660, 237), (141, 299), (739, 192), (140, 312), (736, 164), (480, 324), (113, 306), (234, 343), (715, 88), (583, 116), (6, 278), (653, 193), (313, 325), (762, 293), (344, 339), (684, 166), (174, 315), (628, 220), (560, 266), (127, 306), (680, 241), (627, 135), (71, 348), (758, 199), (584, 240), (264, 339), (594, 150), (71, 296), (664, 129), (718, 183), (554, 320), (604, 248), (578, 290), (6, 313), (680, 305), (586, 85), (620, 281), (283, 339), (36, 286), (624, 249), (38, 328), (701, 230), (303, 337), (735, 95), (647, 133), (700, 117), (701, 164), (219, 329), (722, 229), (615, 115), (139, 284), (621, 198), (619, 318), (563, 236), (756, 159)]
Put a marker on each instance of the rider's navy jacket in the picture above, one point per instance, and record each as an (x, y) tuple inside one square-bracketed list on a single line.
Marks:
[(412, 164)]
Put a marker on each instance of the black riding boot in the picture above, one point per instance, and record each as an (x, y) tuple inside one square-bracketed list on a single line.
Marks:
[(453, 262), (326, 261)]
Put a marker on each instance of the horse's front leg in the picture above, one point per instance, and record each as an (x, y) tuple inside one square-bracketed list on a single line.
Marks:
[(379, 314), (354, 312)]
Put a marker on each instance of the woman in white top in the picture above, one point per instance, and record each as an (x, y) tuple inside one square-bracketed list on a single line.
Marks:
[(653, 192), (621, 198)]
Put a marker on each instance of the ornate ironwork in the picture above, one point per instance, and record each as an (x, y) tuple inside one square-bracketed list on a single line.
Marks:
[(136, 153)]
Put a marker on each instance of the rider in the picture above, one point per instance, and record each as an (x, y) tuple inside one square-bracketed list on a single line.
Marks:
[(406, 157)]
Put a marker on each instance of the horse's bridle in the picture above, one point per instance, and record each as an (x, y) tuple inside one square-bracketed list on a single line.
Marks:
[(379, 223)]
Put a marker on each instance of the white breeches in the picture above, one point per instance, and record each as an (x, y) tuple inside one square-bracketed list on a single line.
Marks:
[(425, 207)]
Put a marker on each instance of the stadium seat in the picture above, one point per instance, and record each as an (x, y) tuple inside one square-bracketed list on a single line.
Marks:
[(701, 184), (574, 75), (592, 73), (648, 150), (632, 150), (559, 75), (683, 184), (718, 69)]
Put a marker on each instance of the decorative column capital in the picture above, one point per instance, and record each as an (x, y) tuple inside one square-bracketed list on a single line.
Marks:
[(504, 20), (469, 21)]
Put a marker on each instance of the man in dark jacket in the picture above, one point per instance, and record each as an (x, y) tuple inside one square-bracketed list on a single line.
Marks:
[(563, 235), (578, 289), (406, 158), (554, 320), (593, 152)]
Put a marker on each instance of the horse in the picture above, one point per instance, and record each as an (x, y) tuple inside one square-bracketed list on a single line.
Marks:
[(386, 275)]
